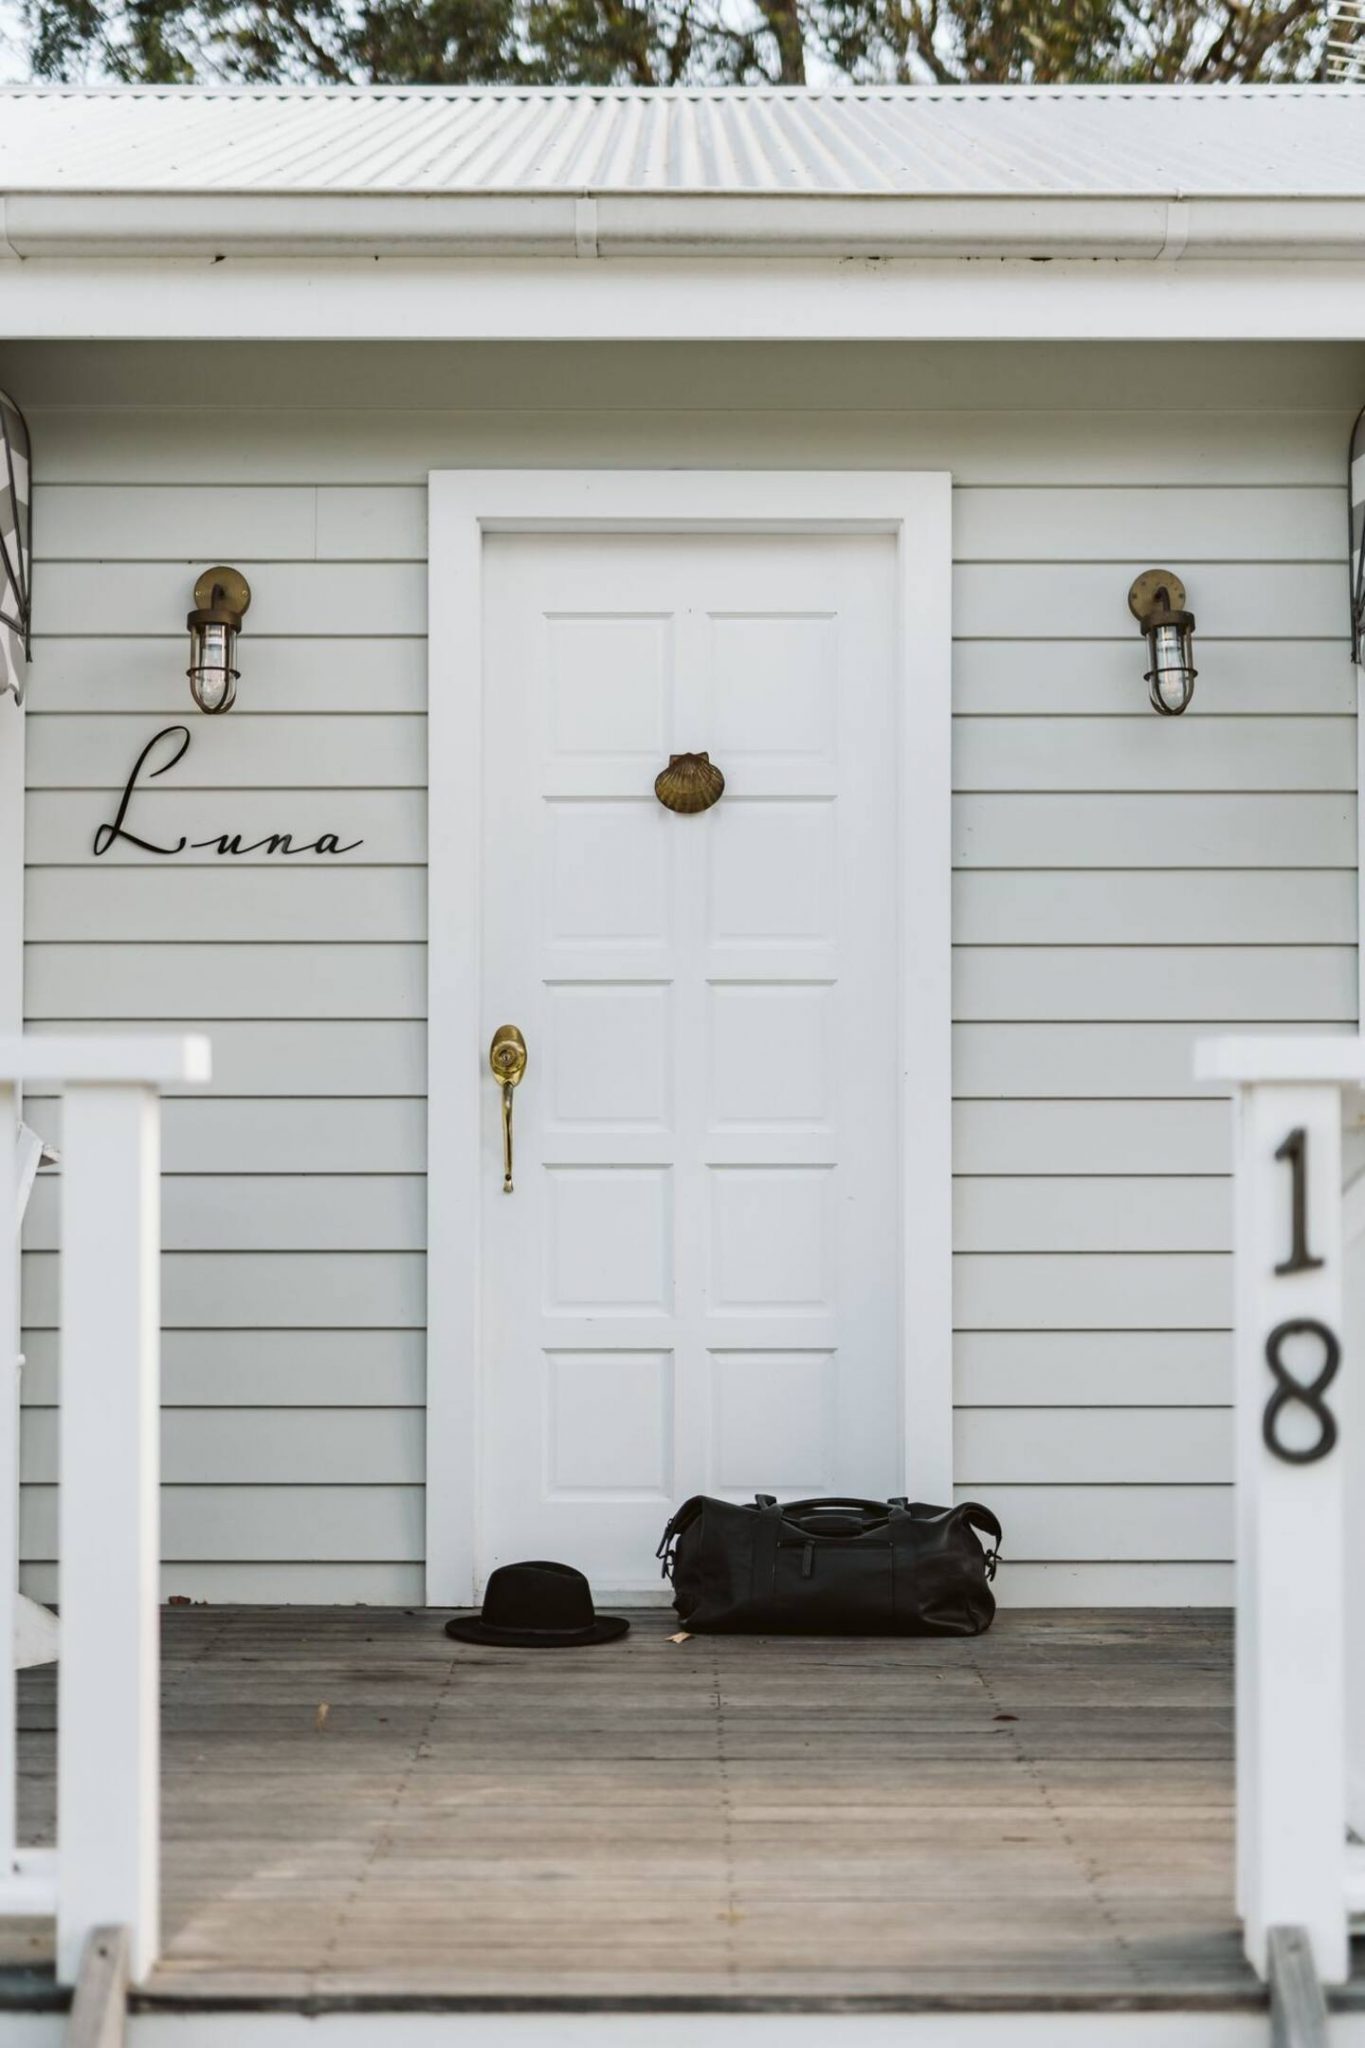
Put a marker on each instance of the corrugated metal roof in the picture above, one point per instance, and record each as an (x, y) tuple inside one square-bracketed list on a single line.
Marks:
[(1013, 142)]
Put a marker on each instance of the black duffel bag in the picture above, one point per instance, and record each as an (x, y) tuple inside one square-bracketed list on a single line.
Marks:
[(831, 1567)]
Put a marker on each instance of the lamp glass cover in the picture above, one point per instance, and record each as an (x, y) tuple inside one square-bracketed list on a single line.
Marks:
[(212, 676), (1171, 679)]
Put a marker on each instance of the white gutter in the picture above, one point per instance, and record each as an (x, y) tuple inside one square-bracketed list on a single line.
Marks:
[(642, 225)]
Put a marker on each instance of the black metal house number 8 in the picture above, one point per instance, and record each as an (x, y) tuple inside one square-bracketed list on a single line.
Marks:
[(1309, 1392), (1288, 1387)]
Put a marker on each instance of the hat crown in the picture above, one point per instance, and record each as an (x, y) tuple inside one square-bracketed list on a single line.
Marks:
[(538, 1594)]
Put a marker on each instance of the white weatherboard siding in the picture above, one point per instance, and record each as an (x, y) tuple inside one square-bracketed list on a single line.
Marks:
[(1123, 884)]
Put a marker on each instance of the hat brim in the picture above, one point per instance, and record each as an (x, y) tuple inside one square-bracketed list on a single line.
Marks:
[(607, 1628)]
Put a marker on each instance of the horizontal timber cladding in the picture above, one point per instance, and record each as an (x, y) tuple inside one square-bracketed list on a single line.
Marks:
[(1124, 885), (310, 1135), (190, 979), (285, 752)]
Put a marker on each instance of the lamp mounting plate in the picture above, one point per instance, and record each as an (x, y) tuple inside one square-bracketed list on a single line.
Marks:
[(233, 584), (1142, 598)]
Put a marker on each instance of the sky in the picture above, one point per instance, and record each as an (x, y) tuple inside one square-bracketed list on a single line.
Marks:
[(13, 54)]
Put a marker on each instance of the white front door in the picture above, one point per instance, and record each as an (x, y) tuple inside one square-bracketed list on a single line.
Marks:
[(694, 1286)]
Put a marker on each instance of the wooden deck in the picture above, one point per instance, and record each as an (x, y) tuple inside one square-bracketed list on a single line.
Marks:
[(358, 1810)]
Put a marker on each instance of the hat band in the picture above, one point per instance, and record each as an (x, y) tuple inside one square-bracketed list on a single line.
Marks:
[(519, 1628)]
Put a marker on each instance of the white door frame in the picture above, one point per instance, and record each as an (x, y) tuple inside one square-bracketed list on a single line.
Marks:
[(915, 507)]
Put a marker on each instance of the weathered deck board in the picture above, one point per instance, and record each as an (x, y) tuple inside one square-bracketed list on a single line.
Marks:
[(1041, 1815)]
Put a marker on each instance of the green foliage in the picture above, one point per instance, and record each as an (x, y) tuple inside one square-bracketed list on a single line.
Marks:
[(987, 42), (668, 42)]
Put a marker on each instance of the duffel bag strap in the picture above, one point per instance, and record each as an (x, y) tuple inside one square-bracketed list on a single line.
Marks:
[(766, 1538), (981, 1517), (668, 1542)]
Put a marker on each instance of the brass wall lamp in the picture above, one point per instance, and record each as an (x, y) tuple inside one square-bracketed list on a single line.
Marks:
[(1157, 602), (16, 550), (1355, 532), (221, 596)]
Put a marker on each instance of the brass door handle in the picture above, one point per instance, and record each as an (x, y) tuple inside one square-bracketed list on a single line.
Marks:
[(507, 1058)]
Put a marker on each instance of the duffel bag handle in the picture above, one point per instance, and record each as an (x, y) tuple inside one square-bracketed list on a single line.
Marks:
[(768, 1502), (981, 1518), (977, 1516), (971, 1511)]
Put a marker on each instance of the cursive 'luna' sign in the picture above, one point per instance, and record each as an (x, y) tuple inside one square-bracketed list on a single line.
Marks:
[(227, 843)]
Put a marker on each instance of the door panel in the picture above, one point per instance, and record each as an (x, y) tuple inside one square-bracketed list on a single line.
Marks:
[(694, 1286)]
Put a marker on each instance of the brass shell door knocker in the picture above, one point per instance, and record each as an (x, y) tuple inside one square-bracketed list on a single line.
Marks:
[(690, 782)]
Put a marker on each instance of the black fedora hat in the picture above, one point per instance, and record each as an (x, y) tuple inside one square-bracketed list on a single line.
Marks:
[(537, 1606)]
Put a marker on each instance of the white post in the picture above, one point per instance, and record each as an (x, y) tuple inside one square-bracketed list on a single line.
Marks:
[(1353, 1476), (108, 1795), (1355, 1281), (1292, 1420), (12, 737), (108, 1787), (9, 1475)]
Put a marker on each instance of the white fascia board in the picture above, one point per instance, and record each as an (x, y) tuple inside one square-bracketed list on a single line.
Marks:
[(634, 225), (574, 300)]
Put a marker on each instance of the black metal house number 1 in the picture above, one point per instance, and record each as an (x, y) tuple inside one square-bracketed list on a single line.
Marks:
[(1295, 1151), (1288, 1387)]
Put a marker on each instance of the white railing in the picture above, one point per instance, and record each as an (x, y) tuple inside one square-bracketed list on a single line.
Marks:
[(1300, 1490), (35, 1627), (105, 1869)]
